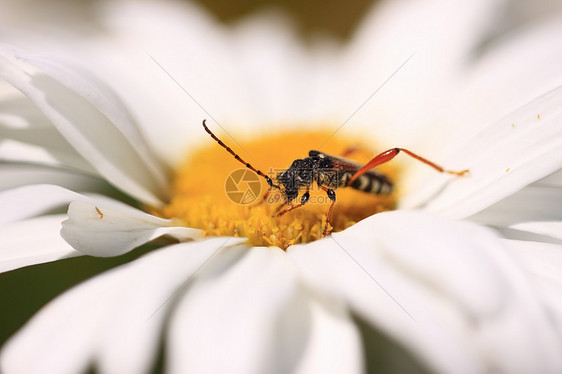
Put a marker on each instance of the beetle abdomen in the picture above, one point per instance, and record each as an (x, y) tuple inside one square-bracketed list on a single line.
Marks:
[(371, 183)]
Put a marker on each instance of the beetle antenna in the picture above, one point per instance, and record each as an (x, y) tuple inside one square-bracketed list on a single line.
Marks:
[(258, 172)]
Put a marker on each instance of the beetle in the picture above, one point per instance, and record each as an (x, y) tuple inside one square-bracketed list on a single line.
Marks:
[(330, 172)]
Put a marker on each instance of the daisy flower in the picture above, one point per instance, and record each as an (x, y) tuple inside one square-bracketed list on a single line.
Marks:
[(453, 274)]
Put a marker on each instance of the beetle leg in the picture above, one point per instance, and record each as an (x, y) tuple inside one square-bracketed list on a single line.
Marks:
[(304, 200), (332, 195), (390, 154)]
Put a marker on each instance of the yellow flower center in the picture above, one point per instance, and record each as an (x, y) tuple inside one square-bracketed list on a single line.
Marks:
[(209, 191)]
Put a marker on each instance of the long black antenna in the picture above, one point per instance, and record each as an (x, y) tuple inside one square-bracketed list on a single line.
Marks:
[(268, 179)]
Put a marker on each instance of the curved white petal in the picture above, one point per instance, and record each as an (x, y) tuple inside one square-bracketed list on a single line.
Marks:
[(110, 229), (97, 226), (254, 318), (14, 175), (91, 118), (550, 230), (277, 74), (505, 78), (133, 331), (240, 327), (33, 241), (515, 151), (445, 290), (501, 78), (29, 201), (113, 320), (60, 338), (534, 209), (553, 180), (550, 293), (247, 77), (195, 50), (543, 261), (26, 135), (514, 70), (438, 36), (532, 203), (334, 345)]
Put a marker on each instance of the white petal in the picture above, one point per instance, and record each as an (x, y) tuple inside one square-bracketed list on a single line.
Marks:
[(185, 41), (254, 315), (91, 118), (110, 229), (28, 136), (33, 241), (553, 180), (115, 318), (501, 81), (547, 229), (61, 337), (334, 345), (439, 37), (534, 212), (29, 201), (259, 72), (471, 308), (507, 77), (235, 316), (13, 175), (543, 261), (278, 77), (532, 203), (550, 294), (97, 226), (133, 331), (510, 154)]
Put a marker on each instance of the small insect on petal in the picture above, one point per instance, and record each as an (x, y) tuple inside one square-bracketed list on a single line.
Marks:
[(99, 212)]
